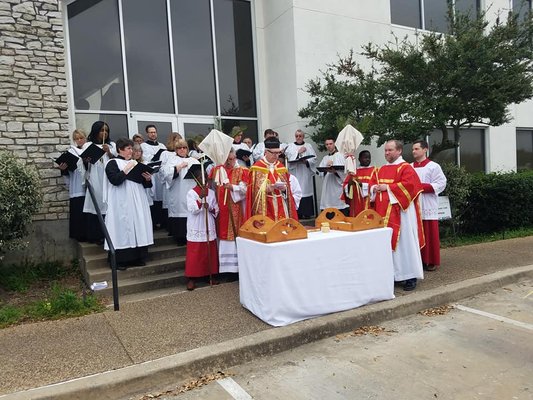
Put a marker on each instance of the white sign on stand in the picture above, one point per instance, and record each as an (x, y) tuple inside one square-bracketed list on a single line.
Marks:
[(445, 211)]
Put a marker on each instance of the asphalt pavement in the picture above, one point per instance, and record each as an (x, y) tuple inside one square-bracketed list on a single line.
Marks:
[(157, 342)]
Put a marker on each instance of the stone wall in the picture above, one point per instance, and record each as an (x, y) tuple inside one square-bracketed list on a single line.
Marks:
[(33, 93)]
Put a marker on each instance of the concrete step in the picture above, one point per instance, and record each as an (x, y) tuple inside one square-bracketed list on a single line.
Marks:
[(161, 238), (145, 283), (99, 260), (154, 267)]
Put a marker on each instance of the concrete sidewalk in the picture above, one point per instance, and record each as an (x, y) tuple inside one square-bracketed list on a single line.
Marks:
[(167, 340)]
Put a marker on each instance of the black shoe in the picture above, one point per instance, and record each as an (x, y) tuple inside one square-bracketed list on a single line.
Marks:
[(122, 267), (138, 263), (410, 284)]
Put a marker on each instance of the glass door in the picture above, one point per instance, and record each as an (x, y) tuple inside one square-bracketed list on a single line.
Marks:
[(196, 127), (164, 124)]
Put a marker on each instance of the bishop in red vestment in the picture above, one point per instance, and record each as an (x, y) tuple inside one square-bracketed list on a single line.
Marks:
[(269, 190)]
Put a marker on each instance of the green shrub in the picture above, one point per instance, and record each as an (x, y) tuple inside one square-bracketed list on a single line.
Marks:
[(499, 202), (20, 199), (457, 190)]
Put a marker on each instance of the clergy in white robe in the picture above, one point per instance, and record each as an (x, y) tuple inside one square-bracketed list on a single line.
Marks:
[(173, 172), (152, 151), (333, 179), (303, 169), (99, 135), (128, 218)]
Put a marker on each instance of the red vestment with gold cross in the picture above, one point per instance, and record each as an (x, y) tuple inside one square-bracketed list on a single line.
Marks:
[(276, 205)]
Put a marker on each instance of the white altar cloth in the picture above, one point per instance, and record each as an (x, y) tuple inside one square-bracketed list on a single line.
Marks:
[(286, 282)]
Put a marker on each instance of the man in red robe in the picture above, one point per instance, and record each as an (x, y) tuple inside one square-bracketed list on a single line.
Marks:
[(355, 187), (230, 196), (396, 189), (269, 191)]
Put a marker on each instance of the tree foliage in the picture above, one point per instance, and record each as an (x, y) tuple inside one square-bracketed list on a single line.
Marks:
[(20, 199), (426, 82)]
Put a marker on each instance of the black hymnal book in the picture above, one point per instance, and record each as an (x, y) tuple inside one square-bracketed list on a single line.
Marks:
[(241, 153), (155, 165), (192, 169), (301, 159), (93, 152), (136, 172), (335, 167), (68, 158), (158, 155)]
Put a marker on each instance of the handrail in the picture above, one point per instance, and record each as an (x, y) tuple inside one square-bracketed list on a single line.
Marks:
[(114, 277)]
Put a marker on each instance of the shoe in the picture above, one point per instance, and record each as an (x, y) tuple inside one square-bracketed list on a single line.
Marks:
[(431, 267), (122, 267), (410, 284), (138, 263), (191, 285)]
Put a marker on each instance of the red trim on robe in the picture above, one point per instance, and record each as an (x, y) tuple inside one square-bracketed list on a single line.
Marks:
[(404, 183)]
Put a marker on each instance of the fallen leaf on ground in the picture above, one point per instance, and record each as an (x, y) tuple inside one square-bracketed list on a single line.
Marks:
[(442, 310)]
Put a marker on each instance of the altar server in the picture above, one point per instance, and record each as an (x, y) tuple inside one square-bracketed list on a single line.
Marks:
[(333, 178), (355, 186)]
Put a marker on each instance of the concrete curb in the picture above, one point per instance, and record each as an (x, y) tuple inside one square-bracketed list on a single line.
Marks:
[(171, 370)]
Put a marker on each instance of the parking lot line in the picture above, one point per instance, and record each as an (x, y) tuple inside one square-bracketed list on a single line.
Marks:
[(234, 389), (495, 317)]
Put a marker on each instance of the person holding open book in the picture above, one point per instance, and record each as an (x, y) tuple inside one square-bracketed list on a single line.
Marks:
[(152, 150), (128, 218), (100, 138), (301, 158), (73, 171), (173, 172), (332, 169)]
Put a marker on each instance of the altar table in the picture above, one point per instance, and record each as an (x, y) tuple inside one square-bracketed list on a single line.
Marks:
[(286, 282)]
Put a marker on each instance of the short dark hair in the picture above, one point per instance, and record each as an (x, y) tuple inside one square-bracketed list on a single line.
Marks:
[(422, 143), (122, 143), (269, 132), (363, 152), (149, 126), (329, 138)]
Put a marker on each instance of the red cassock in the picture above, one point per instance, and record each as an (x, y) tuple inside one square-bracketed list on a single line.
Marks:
[(358, 202), (231, 214), (276, 205), (405, 185)]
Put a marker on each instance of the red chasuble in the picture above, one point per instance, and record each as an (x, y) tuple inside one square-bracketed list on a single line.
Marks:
[(228, 228), (358, 203), (277, 205), (405, 185)]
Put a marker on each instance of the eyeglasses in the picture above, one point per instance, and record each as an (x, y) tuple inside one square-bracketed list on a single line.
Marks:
[(274, 152)]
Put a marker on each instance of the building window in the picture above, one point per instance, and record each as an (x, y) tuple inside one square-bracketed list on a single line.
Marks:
[(470, 153), (429, 15), (522, 8), (524, 149), (185, 59)]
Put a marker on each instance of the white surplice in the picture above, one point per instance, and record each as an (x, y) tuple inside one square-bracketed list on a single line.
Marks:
[(196, 231), (128, 218), (149, 151), (300, 170), (178, 187), (96, 179), (332, 185), (431, 173)]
